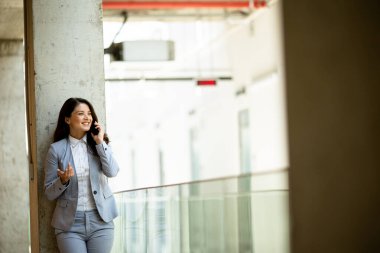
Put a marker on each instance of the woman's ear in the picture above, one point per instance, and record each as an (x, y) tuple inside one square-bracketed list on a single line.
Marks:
[(67, 120)]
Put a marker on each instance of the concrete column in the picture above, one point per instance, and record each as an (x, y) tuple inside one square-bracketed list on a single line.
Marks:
[(14, 186), (332, 72), (68, 62)]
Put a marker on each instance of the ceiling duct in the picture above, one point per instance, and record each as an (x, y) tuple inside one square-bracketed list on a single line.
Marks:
[(142, 50)]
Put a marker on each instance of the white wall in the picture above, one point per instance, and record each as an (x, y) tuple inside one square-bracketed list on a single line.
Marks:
[(268, 130), (218, 133), (174, 139), (68, 62)]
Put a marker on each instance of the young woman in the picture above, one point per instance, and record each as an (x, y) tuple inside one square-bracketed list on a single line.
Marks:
[(76, 170)]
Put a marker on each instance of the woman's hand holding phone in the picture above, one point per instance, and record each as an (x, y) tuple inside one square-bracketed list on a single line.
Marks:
[(97, 132)]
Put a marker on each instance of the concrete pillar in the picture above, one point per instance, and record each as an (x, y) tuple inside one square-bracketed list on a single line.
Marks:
[(68, 62), (14, 186), (332, 77)]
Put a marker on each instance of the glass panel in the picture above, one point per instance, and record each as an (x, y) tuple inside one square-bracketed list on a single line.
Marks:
[(130, 226), (236, 214), (163, 220)]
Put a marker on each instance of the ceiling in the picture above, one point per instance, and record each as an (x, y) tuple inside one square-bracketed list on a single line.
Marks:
[(175, 14), (175, 10), (11, 12)]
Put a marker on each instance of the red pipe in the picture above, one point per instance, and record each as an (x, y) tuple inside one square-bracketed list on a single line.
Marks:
[(173, 5)]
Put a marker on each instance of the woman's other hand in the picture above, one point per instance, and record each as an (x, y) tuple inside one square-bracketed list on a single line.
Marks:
[(65, 175)]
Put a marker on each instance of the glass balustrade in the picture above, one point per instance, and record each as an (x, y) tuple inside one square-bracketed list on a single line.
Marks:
[(237, 214)]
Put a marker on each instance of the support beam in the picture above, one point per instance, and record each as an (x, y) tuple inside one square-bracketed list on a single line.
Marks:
[(332, 71), (14, 196), (64, 59)]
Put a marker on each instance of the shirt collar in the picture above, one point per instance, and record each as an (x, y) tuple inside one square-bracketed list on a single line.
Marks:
[(74, 142)]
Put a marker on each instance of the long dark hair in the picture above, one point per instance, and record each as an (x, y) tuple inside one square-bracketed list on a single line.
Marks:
[(63, 130)]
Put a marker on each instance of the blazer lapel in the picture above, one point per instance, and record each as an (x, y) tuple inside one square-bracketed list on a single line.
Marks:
[(68, 157)]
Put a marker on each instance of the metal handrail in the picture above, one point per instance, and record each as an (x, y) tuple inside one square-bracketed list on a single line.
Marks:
[(258, 173)]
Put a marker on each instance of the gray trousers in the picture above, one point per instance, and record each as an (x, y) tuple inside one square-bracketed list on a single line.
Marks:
[(89, 234)]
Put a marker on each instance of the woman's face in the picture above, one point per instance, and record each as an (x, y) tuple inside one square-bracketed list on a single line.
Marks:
[(79, 121)]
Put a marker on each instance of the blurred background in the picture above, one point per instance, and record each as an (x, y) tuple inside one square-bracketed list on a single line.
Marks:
[(196, 112), (239, 126), (194, 94)]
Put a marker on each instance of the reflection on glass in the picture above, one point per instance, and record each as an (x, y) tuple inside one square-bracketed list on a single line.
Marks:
[(194, 154), (226, 215), (161, 165), (244, 141)]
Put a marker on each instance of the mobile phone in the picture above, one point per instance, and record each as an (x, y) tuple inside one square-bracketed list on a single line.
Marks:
[(94, 130)]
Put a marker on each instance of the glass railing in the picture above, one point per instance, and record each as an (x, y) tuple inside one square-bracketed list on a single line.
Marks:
[(247, 213)]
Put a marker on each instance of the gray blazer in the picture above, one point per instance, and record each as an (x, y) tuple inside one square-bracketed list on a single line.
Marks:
[(101, 167)]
